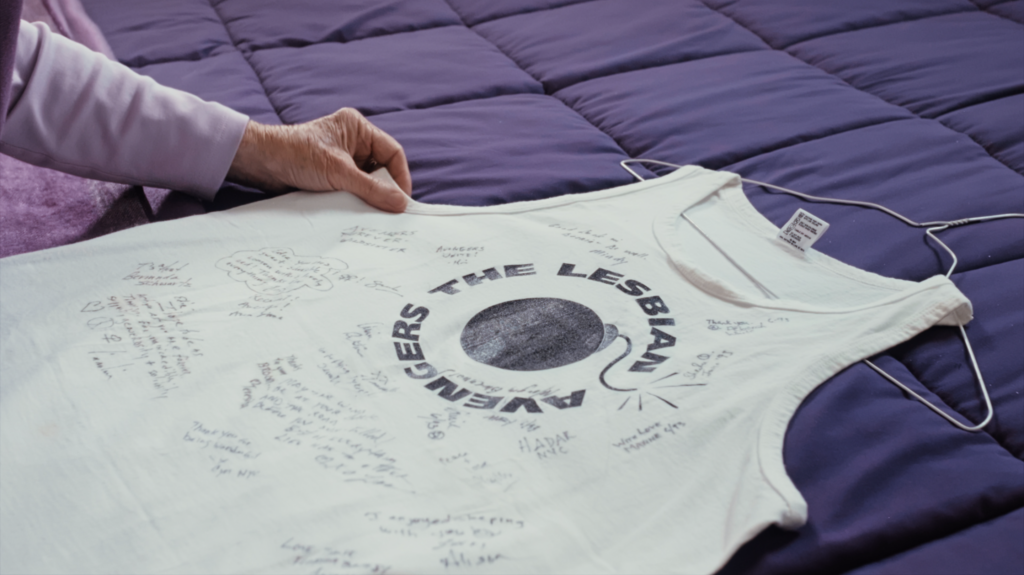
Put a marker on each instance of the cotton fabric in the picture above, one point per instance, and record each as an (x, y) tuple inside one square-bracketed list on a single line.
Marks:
[(593, 383)]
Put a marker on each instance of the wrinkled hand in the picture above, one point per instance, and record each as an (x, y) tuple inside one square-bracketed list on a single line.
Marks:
[(335, 152)]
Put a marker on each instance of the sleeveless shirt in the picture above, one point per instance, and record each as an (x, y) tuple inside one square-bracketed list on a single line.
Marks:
[(590, 383)]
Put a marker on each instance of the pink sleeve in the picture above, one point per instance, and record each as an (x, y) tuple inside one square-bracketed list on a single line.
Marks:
[(74, 110)]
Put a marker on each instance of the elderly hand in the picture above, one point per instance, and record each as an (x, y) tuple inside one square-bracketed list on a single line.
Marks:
[(335, 152)]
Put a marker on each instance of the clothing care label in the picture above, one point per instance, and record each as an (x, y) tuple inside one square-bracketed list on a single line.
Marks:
[(802, 230)]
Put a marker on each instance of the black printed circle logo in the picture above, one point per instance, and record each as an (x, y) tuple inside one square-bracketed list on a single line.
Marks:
[(535, 334)]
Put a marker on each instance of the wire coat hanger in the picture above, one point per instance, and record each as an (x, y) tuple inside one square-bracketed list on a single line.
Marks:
[(931, 229)]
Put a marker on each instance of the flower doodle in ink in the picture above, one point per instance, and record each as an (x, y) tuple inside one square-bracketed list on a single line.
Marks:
[(277, 271)]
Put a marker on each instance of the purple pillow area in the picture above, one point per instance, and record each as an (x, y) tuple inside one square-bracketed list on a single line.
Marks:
[(226, 78), (989, 4), (947, 555), (261, 24), (782, 24), (142, 33), (68, 18), (489, 152), (1011, 10), (719, 110), (996, 125), (570, 44), (940, 66), (419, 69), (473, 12), (882, 474)]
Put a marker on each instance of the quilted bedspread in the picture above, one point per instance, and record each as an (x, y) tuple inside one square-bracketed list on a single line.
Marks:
[(914, 104)]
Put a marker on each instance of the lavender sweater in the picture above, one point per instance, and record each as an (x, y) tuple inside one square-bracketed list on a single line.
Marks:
[(74, 110)]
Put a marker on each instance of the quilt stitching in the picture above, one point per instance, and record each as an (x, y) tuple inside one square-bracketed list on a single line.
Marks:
[(234, 44)]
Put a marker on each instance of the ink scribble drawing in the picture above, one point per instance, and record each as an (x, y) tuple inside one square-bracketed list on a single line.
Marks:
[(276, 271)]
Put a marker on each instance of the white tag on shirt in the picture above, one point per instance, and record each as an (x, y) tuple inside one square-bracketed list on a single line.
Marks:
[(802, 230)]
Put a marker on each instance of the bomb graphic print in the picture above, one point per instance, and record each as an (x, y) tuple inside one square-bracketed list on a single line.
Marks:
[(520, 337), (535, 334)]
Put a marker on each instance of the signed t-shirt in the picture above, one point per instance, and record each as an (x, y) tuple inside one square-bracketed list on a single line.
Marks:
[(594, 383)]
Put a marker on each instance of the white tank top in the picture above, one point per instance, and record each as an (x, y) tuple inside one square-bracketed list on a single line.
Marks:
[(589, 383)]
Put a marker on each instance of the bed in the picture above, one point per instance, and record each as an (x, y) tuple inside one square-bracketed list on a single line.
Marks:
[(914, 104)]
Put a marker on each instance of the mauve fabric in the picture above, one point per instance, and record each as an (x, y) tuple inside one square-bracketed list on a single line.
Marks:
[(997, 125), (962, 552), (225, 77), (930, 66), (260, 24), (1010, 10), (68, 18), (782, 24), (712, 122), (10, 16), (567, 45), (42, 208), (572, 158), (444, 65), (149, 32), (76, 111), (474, 12)]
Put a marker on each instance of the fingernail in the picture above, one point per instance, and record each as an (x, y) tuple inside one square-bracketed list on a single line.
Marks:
[(398, 200)]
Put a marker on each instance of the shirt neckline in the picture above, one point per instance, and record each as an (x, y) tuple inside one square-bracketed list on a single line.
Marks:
[(746, 216), (727, 184)]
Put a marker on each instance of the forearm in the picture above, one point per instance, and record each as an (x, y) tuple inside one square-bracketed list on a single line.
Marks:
[(76, 111), (257, 163)]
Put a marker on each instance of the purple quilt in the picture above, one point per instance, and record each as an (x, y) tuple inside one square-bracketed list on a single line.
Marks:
[(915, 104)]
